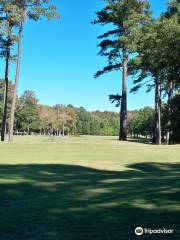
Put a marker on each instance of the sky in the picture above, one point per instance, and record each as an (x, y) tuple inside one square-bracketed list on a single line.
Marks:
[(60, 59)]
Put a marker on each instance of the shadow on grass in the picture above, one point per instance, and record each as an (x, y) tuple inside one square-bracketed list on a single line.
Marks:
[(140, 140), (133, 140), (57, 202)]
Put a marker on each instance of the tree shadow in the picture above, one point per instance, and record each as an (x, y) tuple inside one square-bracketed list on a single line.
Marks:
[(54, 202), (140, 140), (132, 140)]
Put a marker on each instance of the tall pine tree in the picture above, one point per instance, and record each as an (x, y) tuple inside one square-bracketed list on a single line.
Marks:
[(8, 22), (126, 17), (35, 10), (157, 64)]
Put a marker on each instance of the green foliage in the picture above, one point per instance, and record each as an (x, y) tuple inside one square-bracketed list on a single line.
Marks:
[(83, 121), (119, 44), (13, 14), (97, 123), (33, 117), (173, 9), (171, 121), (157, 64), (126, 18), (27, 118), (140, 123), (115, 99), (158, 55)]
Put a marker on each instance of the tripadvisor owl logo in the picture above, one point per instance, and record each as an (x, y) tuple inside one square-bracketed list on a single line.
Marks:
[(139, 231)]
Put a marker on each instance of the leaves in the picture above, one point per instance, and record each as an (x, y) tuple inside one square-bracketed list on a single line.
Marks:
[(126, 19), (107, 69), (115, 99)]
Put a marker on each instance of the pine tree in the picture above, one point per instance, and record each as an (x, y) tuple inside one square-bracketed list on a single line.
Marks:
[(35, 10), (119, 44), (7, 39), (157, 65)]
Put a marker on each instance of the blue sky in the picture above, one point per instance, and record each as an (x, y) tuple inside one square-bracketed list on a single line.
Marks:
[(60, 59)]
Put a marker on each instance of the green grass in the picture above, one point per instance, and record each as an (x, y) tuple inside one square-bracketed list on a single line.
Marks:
[(86, 188)]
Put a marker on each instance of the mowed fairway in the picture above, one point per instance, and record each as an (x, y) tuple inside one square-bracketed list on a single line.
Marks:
[(86, 188)]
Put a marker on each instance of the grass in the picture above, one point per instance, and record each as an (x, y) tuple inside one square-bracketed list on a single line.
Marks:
[(87, 188)]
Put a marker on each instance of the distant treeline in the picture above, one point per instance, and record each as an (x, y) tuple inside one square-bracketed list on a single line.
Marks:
[(34, 118)]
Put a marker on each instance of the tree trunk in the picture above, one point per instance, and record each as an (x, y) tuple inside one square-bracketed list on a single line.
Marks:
[(11, 127), (157, 116), (123, 114), (3, 130), (63, 131), (170, 96)]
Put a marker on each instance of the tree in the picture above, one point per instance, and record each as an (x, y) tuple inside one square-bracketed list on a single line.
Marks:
[(47, 118), (158, 61), (171, 55), (9, 100), (83, 121), (119, 44), (147, 65), (141, 123), (27, 118), (171, 121), (105, 123), (63, 118), (72, 119), (7, 38), (173, 9), (32, 9)]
